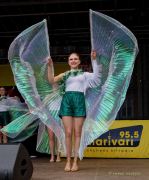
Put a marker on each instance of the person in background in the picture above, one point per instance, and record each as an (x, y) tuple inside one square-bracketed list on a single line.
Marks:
[(4, 116)]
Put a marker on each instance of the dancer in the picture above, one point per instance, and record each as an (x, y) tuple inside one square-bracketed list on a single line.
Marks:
[(73, 110), (4, 116), (11, 108)]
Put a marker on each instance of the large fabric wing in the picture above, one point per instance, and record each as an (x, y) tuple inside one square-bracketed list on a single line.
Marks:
[(28, 55), (116, 48)]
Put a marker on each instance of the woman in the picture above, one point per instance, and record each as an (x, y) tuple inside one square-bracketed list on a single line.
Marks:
[(4, 116), (72, 110)]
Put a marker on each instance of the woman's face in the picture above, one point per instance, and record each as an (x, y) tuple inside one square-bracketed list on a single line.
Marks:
[(2, 91), (74, 61)]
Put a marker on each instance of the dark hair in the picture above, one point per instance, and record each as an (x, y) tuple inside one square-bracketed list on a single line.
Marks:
[(77, 54)]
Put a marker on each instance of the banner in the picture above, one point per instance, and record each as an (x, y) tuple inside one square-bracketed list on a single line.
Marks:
[(125, 139)]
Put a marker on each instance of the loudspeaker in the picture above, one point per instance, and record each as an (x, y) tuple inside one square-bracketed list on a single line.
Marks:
[(15, 163)]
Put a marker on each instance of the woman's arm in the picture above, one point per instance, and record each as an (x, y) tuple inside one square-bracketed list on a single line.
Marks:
[(51, 77), (94, 79), (58, 77), (50, 71), (95, 64)]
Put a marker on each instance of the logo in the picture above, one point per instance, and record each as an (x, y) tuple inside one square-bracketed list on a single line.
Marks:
[(120, 137)]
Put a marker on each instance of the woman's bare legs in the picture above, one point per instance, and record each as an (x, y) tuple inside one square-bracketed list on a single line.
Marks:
[(78, 123), (5, 139), (51, 143), (68, 125), (58, 158), (52, 146)]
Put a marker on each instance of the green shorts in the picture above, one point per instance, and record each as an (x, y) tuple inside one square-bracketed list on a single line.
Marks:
[(73, 104)]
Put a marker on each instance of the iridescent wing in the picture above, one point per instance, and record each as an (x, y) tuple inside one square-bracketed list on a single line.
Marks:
[(117, 48), (28, 55)]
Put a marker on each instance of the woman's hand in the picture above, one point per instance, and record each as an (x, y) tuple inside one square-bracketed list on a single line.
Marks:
[(50, 62), (50, 71), (93, 55)]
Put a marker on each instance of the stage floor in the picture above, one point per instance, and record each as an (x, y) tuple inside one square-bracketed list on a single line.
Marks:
[(92, 169)]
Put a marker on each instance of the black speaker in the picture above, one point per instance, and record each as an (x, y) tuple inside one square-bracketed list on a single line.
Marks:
[(15, 163)]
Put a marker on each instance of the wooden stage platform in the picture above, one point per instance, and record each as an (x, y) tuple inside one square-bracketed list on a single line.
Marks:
[(92, 169)]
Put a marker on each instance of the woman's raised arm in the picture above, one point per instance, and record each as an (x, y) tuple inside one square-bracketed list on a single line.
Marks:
[(51, 78)]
